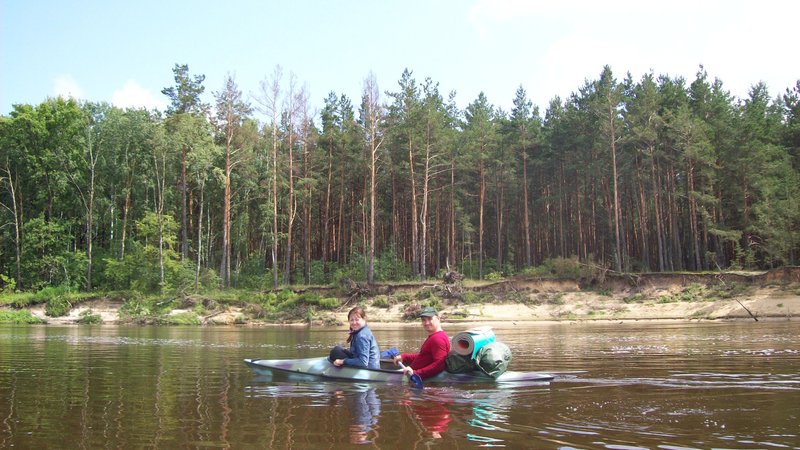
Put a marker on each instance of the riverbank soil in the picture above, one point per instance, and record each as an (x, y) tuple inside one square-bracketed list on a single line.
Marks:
[(773, 294)]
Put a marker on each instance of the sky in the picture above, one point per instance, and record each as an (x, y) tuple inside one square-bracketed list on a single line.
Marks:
[(123, 52)]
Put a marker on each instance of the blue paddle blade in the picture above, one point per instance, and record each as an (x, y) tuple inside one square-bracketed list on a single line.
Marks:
[(416, 381), (391, 353)]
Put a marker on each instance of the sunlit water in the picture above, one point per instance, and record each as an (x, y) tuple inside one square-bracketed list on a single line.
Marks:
[(618, 386)]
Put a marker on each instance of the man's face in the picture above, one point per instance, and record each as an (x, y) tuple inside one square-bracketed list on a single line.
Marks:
[(430, 324)]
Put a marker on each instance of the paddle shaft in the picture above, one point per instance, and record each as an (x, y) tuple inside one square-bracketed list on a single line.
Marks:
[(415, 379)]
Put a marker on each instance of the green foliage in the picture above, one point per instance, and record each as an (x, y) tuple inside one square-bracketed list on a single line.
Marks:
[(87, 317), (57, 306), (695, 292), (711, 139), (476, 297), (537, 271), (404, 297), (635, 298), (18, 299), (471, 269), (7, 284), (329, 303), (312, 299), (390, 267), (516, 297), (136, 309), (46, 260), (50, 292), (727, 290), (140, 269), (253, 275), (494, 276), (184, 318), (381, 301), (568, 268), (18, 317), (557, 299)]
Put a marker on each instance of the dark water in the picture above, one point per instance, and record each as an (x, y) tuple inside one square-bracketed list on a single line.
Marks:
[(620, 386)]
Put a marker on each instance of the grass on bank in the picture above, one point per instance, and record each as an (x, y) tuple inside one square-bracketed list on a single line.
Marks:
[(19, 317)]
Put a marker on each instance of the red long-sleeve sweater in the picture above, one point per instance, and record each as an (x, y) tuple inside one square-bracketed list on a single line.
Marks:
[(430, 361)]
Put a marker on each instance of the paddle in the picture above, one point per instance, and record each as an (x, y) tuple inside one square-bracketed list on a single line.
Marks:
[(416, 380)]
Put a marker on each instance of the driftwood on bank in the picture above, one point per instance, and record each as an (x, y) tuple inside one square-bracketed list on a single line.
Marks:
[(353, 291)]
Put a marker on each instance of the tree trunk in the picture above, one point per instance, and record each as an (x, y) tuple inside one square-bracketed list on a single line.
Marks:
[(526, 224), (423, 217), (414, 215), (199, 240), (274, 251), (617, 213), (451, 242), (225, 264), (17, 224), (290, 210), (693, 226), (326, 212), (481, 200), (184, 214)]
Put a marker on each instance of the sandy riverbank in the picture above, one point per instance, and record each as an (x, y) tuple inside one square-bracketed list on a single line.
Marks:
[(740, 296)]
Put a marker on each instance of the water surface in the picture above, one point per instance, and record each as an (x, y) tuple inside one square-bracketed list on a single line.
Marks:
[(619, 386)]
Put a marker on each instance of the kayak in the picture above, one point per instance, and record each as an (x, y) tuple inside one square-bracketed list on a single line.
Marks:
[(310, 369)]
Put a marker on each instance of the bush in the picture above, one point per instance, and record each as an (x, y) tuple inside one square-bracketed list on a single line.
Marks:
[(89, 318), (475, 297), (7, 284), (494, 276), (380, 301), (635, 298), (135, 308), (185, 318), (45, 258), (57, 306), (19, 300), (19, 317), (329, 303), (557, 299)]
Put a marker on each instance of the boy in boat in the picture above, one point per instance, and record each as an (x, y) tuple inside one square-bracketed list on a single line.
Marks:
[(364, 351), (430, 361)]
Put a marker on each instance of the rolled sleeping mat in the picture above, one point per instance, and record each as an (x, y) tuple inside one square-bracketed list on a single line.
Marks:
[(467, 343)]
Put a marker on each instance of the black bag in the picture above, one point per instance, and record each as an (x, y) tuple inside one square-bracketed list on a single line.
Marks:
[(456, 363)]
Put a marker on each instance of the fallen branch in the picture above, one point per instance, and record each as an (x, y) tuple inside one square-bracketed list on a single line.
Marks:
[(748, 311)]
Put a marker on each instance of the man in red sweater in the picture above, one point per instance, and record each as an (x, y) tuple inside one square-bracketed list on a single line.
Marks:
[(430, 361)]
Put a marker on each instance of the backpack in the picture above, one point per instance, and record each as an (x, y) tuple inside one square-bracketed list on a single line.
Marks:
[(456, 363), (493, 359)]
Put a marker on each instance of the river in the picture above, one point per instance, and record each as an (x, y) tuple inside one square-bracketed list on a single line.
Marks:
[(665, 385)]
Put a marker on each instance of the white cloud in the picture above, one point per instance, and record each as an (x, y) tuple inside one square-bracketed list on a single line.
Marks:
[(132, 95), (65, 86)]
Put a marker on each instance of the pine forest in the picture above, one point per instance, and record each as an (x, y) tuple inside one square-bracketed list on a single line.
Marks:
[(258, 190)]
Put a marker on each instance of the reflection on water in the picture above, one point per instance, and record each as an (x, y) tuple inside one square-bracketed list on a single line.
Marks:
[(723, 385)]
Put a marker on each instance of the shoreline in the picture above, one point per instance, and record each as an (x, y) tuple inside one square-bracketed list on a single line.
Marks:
[(655, 297), (765, 304)]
